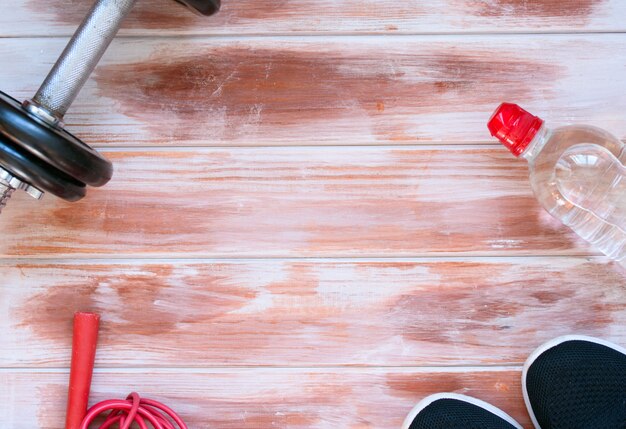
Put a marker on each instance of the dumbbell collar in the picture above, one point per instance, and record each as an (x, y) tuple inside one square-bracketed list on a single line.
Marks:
[(43, 114)]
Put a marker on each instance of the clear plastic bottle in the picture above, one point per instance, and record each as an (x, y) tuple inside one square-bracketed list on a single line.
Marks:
[(577, 173)]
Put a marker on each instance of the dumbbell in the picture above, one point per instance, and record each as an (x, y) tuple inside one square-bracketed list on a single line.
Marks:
[(37, 154)]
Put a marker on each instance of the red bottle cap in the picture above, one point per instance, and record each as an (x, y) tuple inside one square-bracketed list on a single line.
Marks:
[(514, 127)]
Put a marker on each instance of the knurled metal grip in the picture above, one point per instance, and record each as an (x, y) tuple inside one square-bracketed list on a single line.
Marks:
[(36, 153), (81, 55)]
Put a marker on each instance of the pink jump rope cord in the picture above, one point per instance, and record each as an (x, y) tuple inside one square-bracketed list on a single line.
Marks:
[(120, 412)]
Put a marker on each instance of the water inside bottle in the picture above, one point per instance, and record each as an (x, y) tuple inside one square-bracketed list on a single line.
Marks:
[(594, 179), (577, 173)]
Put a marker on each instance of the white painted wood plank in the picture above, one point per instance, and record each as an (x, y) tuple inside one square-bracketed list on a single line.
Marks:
[(330, 90), (295, 202), (308, 313), (159, 17)]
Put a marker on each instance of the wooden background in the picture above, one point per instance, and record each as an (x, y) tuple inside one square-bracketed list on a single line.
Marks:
[(309, 225)]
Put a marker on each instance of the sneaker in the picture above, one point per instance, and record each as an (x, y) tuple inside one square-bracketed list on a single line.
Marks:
[(576, 382), (453, 411)]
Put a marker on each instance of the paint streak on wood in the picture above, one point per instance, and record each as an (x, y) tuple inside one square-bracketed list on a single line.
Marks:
[(541, 8), (310, 313), (243, 91), (297, 202), (260, 398)]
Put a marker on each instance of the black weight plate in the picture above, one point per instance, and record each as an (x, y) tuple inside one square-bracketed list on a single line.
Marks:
[(204, 7), (42, 176), (53, 146)]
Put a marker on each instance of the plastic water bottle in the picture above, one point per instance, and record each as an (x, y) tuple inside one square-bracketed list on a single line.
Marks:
[(577, 173)]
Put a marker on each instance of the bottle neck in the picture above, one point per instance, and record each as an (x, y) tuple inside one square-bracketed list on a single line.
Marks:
[(536, 144)]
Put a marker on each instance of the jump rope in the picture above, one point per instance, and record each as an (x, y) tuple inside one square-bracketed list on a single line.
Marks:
[(123, 412)]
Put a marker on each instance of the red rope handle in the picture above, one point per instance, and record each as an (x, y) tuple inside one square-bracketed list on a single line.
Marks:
[(84, 342), (123, 412)]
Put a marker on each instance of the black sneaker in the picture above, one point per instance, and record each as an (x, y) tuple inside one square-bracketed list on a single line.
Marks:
[(453, 411), (576, 383)]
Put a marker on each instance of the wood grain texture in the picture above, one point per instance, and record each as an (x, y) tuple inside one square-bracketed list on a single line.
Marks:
[(237, 17), (296, 202), (329, 90), (260, 398), (308, 313)]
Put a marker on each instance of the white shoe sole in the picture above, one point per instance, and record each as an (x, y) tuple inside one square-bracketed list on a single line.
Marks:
[(482, 404), (547, 346)]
